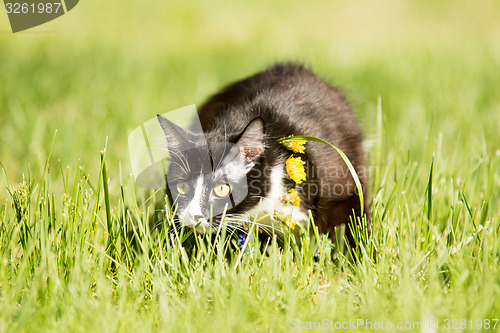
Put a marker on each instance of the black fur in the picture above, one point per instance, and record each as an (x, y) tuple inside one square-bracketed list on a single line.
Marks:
[(291, 100)]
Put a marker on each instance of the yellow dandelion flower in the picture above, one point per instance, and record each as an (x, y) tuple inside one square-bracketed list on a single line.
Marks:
[(292, 197), (297, 146), (290, 222), (285, 219), (295, 169)]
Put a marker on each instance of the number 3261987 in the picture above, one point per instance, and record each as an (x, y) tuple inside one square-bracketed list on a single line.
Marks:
[(25, 8)]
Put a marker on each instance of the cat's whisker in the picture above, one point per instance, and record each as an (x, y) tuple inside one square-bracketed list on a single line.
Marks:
[(223, 153), (158, 143), (182, 158), (158, 210), (181, 167), (175, 229), (236, 215), (176, 154), (260, 197), (236, 228), (158, 224), (265, 227)]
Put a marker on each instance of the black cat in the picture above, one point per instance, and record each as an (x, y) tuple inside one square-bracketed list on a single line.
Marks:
[(236, 168)]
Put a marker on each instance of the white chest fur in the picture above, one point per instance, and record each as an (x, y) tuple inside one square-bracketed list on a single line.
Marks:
[(273, 200)]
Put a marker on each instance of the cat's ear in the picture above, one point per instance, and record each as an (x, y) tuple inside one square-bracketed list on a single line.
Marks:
[(251, 141), (177, 137)]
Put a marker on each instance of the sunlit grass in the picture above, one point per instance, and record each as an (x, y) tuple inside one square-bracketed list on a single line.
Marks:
[(82, 248), (77, 260)]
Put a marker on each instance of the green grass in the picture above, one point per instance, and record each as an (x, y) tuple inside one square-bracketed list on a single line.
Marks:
[(76, 248)]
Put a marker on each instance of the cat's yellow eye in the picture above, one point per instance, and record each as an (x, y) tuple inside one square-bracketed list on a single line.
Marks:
[(222, 190), (183, 188)]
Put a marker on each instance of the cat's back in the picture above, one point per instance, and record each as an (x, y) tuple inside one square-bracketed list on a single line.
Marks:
[(283, 85), (292, 100)]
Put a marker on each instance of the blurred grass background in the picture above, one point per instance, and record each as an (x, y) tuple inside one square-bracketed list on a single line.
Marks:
[(105, 67)]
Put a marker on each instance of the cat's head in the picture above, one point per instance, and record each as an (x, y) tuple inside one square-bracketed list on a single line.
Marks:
[(206, 179)]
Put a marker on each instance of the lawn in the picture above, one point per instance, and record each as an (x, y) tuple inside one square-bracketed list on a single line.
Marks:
[(77, 248)]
